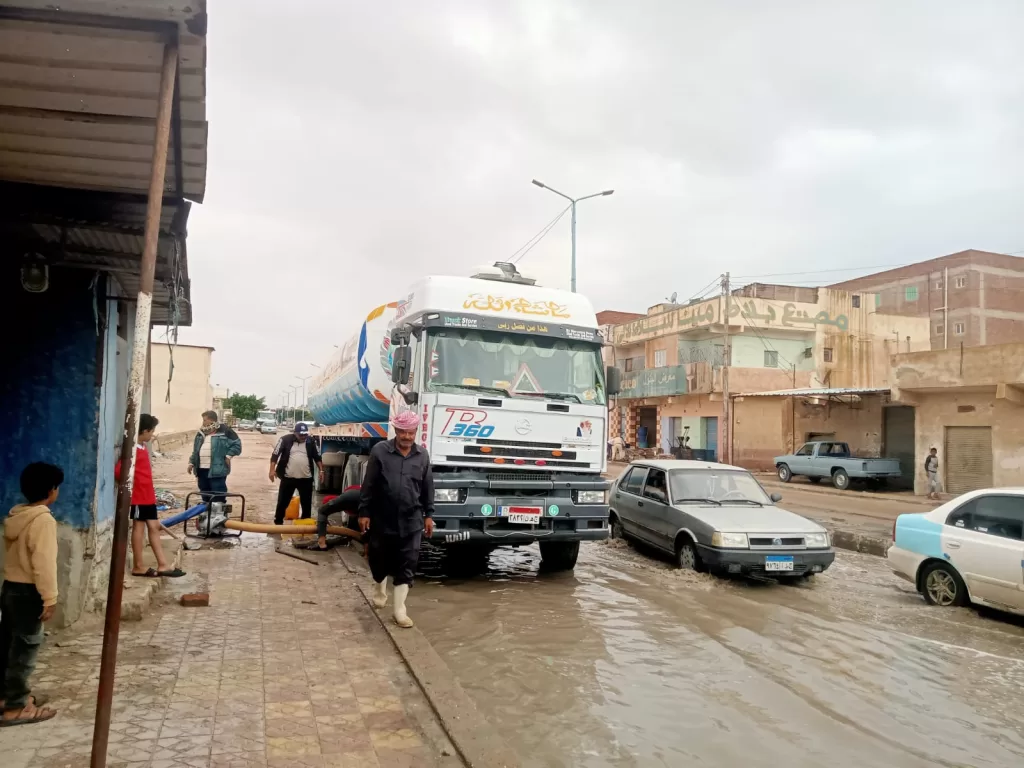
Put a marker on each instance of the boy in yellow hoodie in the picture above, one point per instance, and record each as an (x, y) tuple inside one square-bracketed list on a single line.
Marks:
[(28, 596)]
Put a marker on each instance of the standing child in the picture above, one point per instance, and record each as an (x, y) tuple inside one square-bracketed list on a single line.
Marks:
[(143, 509), (29, 593)]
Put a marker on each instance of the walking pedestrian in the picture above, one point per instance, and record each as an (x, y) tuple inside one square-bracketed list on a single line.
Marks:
[(931, 469), (214, 446), (28, 596), (294, 458), (396, 505)]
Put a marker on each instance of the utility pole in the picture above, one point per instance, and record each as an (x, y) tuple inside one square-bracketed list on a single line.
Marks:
[(572, 204), (726, 457), (303, 379), (295, 389)]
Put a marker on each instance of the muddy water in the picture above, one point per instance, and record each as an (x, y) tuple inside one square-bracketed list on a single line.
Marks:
[(627, 662)]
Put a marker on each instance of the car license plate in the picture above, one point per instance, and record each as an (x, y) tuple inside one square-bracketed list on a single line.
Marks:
[(523, 515), (778, 563)]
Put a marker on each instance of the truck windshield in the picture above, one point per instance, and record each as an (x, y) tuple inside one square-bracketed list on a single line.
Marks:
[(724, 487), (524, 366)]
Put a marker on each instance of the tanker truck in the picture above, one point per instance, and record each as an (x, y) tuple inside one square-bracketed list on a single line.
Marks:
[(508, 381)]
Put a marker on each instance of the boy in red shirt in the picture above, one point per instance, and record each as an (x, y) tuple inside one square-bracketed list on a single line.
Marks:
[(143, 509)]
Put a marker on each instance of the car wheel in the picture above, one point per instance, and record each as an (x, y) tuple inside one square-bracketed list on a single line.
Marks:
[(784, 474), (840, 479), (942, 586), (615, 527), (687, 557)]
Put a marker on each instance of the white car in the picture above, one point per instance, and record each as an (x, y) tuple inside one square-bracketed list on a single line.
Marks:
[(970, 549)]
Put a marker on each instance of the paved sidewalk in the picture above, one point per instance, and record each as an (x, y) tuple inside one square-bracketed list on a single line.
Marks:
[(287, 667)]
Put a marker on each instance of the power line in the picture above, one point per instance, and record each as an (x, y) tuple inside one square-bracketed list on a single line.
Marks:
[(526, 247)]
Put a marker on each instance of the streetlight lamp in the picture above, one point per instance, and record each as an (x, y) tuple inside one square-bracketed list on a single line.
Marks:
[(303, 379), (573, 201), (295, 390)]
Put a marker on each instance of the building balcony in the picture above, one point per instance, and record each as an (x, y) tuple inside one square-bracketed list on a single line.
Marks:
[(655, 382)]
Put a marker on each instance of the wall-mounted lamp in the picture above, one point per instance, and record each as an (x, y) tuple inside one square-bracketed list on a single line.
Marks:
[(35, 273)]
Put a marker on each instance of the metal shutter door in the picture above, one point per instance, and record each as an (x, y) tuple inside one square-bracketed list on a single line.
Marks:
[(968, 459)]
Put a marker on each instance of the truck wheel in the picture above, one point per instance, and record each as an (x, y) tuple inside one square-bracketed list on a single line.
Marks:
[(559, 555), (840, 479), (784, 473)]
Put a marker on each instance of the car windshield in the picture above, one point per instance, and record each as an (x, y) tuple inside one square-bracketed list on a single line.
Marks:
[(722, 486), (522, 366)]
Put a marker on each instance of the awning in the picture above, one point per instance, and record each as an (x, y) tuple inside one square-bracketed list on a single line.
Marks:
[(818, 392)]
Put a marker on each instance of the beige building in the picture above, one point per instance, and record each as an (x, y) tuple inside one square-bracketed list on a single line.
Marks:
[(969, 404), (783, 339), (179, 393)]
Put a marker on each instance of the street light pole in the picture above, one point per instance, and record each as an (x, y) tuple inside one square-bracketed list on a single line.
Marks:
[(572, 205), (295, 389), (303, 379)]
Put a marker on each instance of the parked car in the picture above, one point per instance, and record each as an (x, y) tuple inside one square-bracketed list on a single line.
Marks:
[(715, 517), (268, 428), (830, 459), (969, 550), (246, 425)]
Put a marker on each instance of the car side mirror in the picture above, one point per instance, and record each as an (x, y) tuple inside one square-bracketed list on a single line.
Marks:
[(776, 498), (613, 380), (400, 360)]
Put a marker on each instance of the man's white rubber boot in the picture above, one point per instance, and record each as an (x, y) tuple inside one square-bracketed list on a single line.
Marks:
[(380, 593), (401, 618)]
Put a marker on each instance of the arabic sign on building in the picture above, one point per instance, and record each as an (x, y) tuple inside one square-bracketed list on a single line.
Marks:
[(754, 312), (655, 382), (518, 305)]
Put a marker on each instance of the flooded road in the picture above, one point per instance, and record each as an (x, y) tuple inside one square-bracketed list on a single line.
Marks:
[(628, 662)]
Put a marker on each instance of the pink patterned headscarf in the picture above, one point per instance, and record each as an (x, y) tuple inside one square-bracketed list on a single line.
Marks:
[(406, 420)]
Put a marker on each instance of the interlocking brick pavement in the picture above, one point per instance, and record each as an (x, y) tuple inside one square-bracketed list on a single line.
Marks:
[(287, 667)]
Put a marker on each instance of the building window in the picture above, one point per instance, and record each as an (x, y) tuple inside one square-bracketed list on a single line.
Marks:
[(958, 329), (961, 282), (660, 358), (878, 300), (828, 354), (938, 285), (628, 365), (771, 358), (855, 300), (940, 329), (910, 293)]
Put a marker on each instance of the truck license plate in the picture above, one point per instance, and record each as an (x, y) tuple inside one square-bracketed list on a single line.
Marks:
[(523, 515), (778, 563)]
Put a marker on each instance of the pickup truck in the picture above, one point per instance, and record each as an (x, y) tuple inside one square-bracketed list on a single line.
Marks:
[(833, 460)]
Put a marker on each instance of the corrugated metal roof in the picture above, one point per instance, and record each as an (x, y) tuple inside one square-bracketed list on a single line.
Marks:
[(818, 392), (99, 231), (78, 93)]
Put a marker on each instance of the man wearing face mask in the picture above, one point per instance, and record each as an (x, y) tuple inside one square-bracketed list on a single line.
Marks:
[(396, 506), (294, 460)]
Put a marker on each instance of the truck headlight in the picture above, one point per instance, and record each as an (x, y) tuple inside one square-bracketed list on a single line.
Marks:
[(729, 540), (816, 540), (591, 497), (446, 495)]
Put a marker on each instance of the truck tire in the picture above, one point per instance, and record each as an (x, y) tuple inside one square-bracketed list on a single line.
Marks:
[(559, 555), (785, 474), (841, 480)]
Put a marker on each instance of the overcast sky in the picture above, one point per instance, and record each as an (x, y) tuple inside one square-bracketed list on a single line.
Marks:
[(356, 146)]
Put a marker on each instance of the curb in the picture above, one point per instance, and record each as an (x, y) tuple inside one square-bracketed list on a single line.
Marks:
[(859, 542), (858, 495), (476, 741)]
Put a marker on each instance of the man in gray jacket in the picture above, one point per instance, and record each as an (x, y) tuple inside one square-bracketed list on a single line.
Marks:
[(396, 505)]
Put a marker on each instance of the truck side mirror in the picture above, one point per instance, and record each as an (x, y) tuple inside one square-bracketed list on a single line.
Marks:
[(613, 380), (400, 360)]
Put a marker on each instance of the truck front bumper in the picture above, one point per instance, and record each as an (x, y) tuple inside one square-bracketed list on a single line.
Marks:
[(753, 563)]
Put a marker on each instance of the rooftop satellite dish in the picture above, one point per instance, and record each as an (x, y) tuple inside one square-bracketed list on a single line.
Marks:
[(673, 297)]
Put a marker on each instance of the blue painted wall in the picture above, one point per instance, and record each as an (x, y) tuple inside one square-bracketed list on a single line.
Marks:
[(49, 395)]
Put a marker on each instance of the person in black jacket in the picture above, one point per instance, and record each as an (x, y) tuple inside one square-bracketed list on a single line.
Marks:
[(396, 506), (294, 460)]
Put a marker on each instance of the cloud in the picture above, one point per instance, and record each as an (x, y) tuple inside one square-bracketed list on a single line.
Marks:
[(357, 146)]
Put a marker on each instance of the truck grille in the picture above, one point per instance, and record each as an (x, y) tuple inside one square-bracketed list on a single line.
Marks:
[(519, 443), (525, 453), (489, 460)]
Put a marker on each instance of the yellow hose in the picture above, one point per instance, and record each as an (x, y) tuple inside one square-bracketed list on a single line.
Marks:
[(288, 530)]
